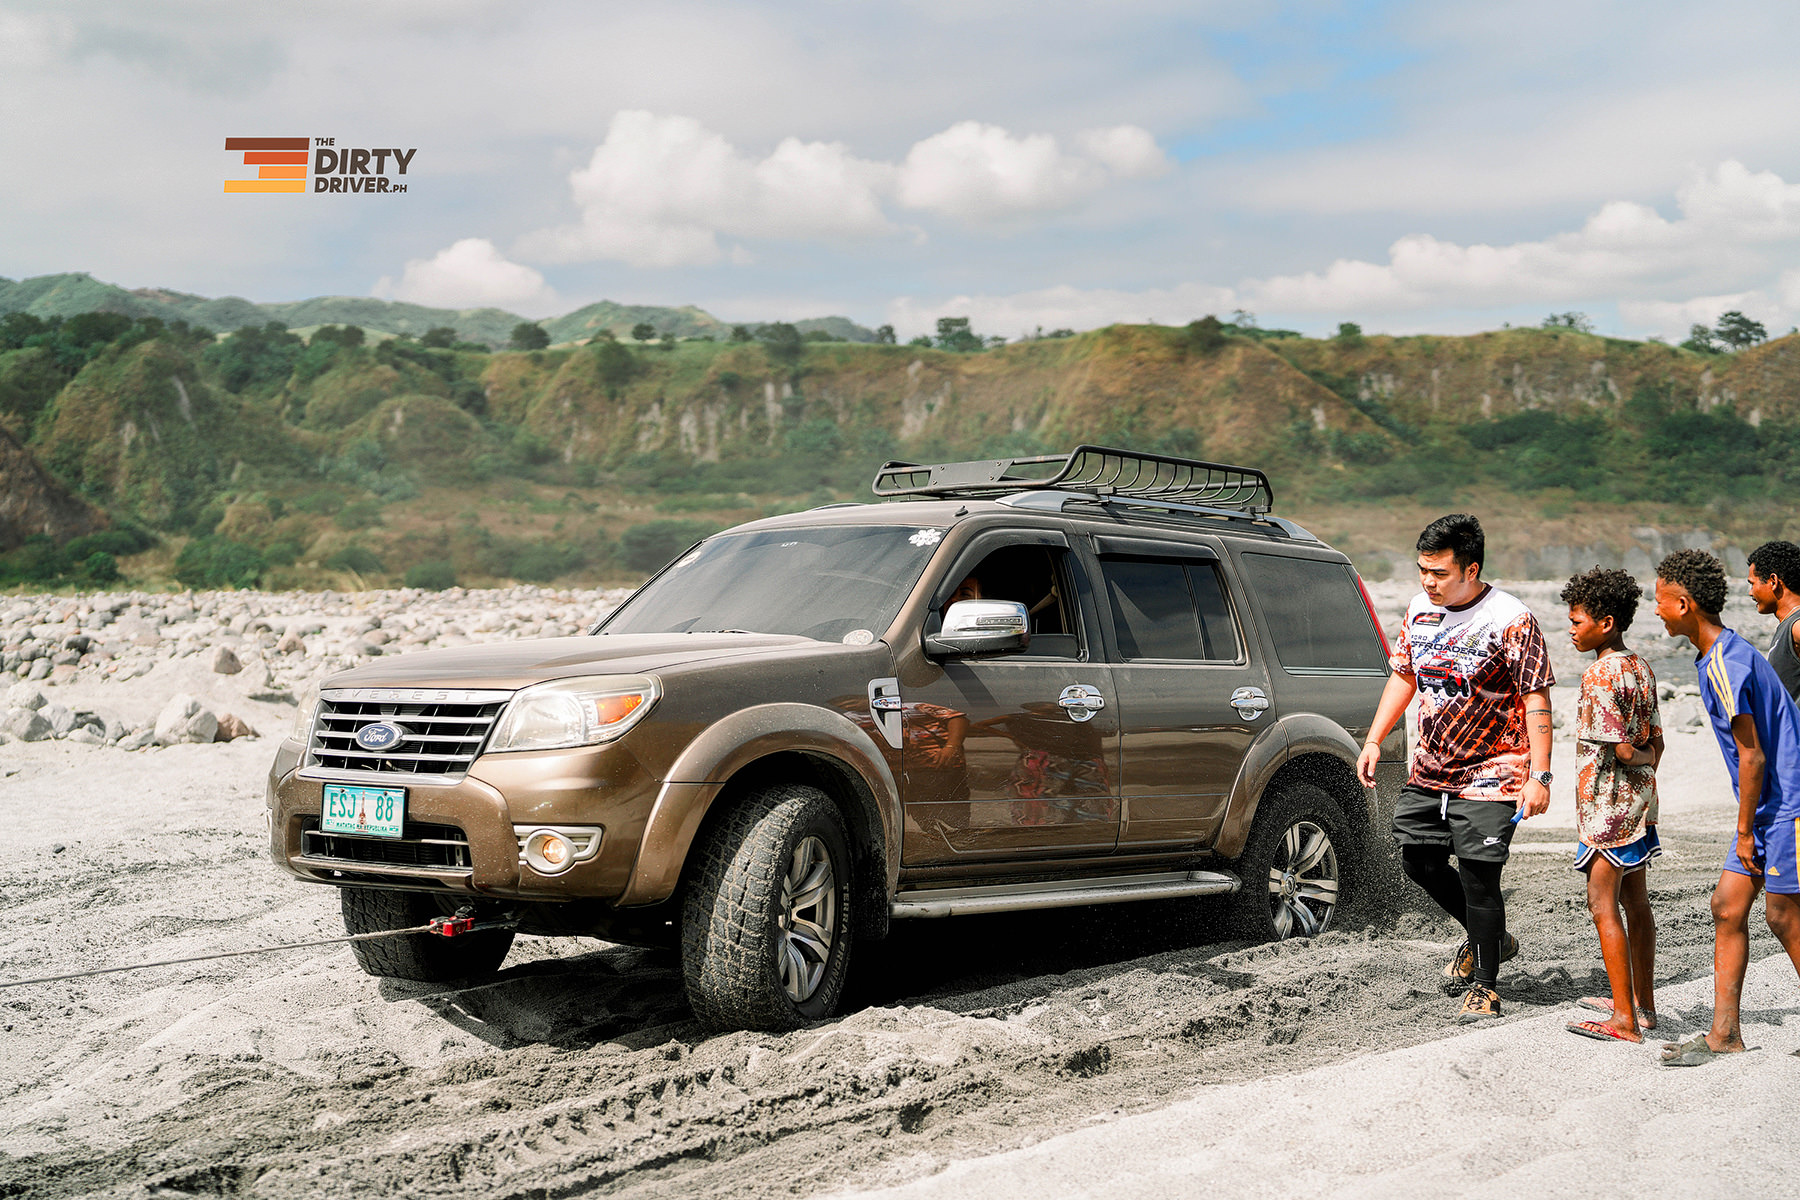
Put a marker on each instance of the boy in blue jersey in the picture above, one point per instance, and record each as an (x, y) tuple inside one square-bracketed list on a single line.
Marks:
[(1758, 729)]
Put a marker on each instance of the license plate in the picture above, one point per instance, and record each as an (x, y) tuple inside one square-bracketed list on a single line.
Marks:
[(371, 811)]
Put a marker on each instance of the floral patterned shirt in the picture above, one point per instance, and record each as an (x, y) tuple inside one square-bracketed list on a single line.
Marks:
[(1614, 800)]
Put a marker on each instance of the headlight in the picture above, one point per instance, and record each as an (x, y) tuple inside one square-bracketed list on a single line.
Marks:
[(574, 712), (303, 717)]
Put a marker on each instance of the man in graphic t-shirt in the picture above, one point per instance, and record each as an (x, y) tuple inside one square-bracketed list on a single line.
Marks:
[(1475, 658)]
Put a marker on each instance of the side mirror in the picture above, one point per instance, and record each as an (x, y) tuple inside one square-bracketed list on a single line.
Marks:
[(974, 628)]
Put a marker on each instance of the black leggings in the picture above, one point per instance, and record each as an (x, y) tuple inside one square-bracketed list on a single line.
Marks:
[(1471, 894)]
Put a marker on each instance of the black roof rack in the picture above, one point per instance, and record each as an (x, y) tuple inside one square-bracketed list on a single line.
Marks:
[(1099, 471)]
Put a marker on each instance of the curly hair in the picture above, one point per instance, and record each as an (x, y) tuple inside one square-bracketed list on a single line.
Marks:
[(1778, 560), (1700, 573), (1604, 592)]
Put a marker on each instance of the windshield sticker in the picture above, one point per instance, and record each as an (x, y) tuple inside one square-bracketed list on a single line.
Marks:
[(927, 537), (858, 637)]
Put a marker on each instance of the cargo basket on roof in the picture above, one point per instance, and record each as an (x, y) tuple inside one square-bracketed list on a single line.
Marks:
[(1099, 471)]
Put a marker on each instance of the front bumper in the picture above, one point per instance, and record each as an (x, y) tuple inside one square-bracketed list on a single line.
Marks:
[(501, 797)]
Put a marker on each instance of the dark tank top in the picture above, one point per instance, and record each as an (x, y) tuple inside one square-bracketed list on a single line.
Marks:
[(1782, 658)]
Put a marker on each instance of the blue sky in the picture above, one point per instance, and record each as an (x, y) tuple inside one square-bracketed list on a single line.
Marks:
[(1410, 166)]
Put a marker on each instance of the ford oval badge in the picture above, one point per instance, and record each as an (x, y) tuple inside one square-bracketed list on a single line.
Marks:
[(382, 735)]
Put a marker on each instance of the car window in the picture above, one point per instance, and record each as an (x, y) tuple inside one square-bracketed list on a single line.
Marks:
[(833, 583), (1165, 609), (1315, 614), (1035, 576)]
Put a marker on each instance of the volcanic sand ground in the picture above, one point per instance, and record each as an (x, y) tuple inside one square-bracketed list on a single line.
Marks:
[(579, 1069)]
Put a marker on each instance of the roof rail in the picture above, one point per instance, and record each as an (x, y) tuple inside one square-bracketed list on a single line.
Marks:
[(1099, 471)]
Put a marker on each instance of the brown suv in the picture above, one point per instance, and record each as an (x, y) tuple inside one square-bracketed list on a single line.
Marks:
[(1027, 683)]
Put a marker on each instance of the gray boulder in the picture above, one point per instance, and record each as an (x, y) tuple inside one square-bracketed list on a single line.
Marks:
[(23, 695), (138, 740), (25, 724), (40, 669), (85, 736), (185, 719), (226, 662), (61, 719)]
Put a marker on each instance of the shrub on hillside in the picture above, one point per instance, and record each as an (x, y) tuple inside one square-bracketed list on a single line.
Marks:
[(432, 576), (254, 355), (527, 336), (100, 567), (281, 553), (215, 562), (648, 547)]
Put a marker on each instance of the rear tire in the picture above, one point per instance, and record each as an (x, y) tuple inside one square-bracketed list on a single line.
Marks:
[(766, 928), (1293, 867), (420, 957)]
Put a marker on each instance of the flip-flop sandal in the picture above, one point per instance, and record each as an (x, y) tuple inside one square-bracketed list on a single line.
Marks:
[(1695, 1052), (1600, 1031), (1601, 1004), (1692, 1053)]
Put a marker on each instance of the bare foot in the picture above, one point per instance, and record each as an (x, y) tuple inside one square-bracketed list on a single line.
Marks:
[(1646, 1016)]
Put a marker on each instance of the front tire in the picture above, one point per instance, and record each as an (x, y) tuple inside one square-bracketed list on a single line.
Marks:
[(1293, 867), (766, 929), (420, 957)]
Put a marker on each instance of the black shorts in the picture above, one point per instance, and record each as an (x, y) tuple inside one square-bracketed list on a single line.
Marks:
[(1476, 830)]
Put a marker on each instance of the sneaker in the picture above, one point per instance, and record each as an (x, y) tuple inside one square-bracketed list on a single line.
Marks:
[(1479, 1004), (1458, 970)]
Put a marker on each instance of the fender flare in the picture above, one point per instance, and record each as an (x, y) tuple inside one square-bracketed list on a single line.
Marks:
[(1287, 739), (709, 762)]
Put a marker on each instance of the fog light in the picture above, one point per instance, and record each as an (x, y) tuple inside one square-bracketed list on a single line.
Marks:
[(549, 853)]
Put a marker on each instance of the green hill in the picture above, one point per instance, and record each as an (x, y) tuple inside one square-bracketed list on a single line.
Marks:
[(69, 294), (332, 455)]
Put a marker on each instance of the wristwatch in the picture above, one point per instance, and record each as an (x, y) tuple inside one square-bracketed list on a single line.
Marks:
[(1542, 777)]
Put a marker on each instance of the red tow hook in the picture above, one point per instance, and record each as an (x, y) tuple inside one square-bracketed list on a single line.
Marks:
[(451, 926)]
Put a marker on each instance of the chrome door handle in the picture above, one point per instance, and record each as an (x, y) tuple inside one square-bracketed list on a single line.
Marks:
[(1081, 702), (1250, 702)]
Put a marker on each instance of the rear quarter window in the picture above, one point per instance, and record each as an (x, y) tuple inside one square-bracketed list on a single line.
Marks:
[(1314, 613)]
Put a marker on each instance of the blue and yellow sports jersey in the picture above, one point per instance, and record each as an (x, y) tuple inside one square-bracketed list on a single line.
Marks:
[(1735, 680)]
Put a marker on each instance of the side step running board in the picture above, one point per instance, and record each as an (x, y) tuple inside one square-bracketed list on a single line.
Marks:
[(1061, 893)]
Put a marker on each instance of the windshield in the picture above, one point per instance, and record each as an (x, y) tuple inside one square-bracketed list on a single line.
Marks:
[(835, 583)]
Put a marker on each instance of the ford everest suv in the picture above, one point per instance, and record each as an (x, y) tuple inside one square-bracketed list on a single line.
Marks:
[(1027, 683)]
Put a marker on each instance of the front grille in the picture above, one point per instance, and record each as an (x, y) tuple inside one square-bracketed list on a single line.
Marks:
[(422, 844), (442, 736)]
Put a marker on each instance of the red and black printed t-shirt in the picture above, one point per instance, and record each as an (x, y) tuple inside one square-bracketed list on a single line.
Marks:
[(1474, 666)]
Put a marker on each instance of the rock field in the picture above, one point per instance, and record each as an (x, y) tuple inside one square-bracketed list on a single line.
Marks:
[(87, 669)]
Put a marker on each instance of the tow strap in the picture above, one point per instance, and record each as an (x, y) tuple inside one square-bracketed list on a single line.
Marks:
[(459, 925)]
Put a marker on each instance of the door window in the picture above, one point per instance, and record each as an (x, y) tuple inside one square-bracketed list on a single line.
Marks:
[(1167, 610), (1315, 613), (1036, 577)]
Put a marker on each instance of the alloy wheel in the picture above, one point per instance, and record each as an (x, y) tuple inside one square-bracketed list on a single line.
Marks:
[(809, 919), (1303, 881)]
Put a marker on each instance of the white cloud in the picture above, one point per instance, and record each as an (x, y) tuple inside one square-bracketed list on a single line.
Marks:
[(1730, 219), (1131, 152), (978, 172), (469, 274), (661, 191), (1664, 274)]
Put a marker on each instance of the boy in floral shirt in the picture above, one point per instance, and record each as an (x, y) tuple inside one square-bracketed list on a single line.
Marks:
[(1618, 742)]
